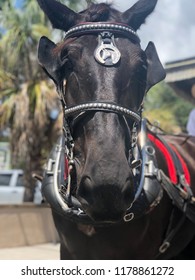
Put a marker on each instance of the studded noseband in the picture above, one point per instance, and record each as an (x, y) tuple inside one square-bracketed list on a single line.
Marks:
[(102, 106)]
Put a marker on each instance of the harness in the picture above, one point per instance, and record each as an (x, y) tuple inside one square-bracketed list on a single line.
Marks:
[(177, 185), (150, 181)]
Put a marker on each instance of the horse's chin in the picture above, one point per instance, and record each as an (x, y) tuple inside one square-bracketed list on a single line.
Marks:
[(104, 219), (107, 220), (104, 216)]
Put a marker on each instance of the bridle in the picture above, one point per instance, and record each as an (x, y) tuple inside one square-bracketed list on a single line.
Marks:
[(106, 54)]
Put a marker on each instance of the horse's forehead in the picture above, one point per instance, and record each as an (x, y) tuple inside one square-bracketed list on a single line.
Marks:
[(130, 52)]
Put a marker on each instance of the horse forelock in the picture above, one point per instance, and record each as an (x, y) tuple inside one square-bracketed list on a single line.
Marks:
[(100, 12)]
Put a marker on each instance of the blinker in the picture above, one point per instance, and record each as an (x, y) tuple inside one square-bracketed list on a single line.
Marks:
[(106, 52)]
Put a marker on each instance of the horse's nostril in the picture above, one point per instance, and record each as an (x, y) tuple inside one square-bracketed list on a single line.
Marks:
[(87, 183), (86, 187)]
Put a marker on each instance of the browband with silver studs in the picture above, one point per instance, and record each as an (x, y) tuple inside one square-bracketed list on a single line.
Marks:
[(96, 27)]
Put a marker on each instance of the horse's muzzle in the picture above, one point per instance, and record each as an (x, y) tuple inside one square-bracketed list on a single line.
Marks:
[(105, 202)]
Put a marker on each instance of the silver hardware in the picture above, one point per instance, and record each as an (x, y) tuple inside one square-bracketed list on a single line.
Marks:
[(163, 248), (128, 217), (50, 166), (136, 163), (107, 53), (150, 150)]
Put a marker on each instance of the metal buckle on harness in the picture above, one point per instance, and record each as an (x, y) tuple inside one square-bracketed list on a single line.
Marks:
[(128, 217), (163, 248)]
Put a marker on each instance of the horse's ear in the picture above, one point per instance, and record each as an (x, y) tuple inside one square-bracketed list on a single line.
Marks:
[(59, 15), (49, 60), (156, 72), (136, 15)]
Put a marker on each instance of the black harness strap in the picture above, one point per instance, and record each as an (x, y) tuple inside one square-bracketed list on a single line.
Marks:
[(181, 199), (172, 230), (181, 196), (183, 203)]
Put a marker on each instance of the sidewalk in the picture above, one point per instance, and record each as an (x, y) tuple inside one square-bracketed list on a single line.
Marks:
[(48, 251)]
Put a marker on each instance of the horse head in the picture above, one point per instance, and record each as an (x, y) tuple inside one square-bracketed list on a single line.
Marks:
[(102, 76)]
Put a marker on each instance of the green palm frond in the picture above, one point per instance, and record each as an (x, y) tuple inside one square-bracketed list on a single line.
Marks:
[(39, 30), (7, 111), (22, 30), (26, 103), (6, 83)]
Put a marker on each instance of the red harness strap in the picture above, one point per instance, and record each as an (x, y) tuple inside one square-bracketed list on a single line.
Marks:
[(169, 160), (184, 166)]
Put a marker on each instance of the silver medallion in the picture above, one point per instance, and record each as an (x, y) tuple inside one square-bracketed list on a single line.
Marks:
[(107, 53)]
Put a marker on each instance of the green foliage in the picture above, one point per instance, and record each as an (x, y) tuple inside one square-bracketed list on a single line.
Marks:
[(21, 30), (1, 3), (76, 5), (164, 106), (26, 98)]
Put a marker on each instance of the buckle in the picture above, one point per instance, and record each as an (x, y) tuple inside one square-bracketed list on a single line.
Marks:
[(163, 248), (128, 217)]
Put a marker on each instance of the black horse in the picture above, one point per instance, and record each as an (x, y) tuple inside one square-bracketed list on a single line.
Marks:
[(118, 187)]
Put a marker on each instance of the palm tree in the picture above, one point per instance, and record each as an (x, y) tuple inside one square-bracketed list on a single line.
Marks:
[(30, 104), (21, 32), (1, 3), (27, 98)]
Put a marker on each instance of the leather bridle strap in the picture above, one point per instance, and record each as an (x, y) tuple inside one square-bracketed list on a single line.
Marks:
[(102, 106), (120, 29)]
